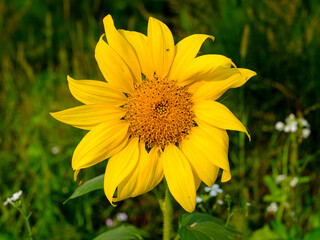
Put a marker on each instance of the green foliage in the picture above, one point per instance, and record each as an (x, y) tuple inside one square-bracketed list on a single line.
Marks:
[(264, 233), (122, 233), (279, 231), (88, 186), (312, 235), (199, 226)]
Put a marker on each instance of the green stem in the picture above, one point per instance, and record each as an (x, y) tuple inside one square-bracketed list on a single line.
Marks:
[(28, 226), (26, 218), (284, 184), (230, 213), (167, 215), (294, 167), (177, 237), (294, 154)]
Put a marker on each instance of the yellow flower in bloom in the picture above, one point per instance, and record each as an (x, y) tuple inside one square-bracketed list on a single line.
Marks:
[(156, 115)]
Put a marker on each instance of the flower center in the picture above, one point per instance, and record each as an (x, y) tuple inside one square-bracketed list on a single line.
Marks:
[(159, 112)]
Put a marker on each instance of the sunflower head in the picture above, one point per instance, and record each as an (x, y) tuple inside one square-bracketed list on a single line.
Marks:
[(157, 113)]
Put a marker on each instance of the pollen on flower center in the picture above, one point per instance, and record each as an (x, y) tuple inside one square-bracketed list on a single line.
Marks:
[(159, 112)]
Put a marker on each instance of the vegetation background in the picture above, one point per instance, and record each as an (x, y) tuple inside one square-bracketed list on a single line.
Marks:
[(43, 41)]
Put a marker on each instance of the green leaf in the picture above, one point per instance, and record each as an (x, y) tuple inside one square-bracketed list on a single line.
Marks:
[(312, 235), (88, 186), (276, 193), (200, 226), (122, 233), (189, 219), (205, 231), (280, 229), (271, 184), (264, 233), (304, 179)]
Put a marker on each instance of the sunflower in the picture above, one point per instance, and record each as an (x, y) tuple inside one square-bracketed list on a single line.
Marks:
[(156, 116)]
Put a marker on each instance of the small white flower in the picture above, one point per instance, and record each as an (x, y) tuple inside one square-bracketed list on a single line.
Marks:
[(248, 204), (279, 126), (272, 208), (280, 178), (286, 129), (303, 122), (220, 202), (293, 126), (294, 182), (199, 199), (55, 150), (14, 198), (306, 132), (214, 190), (122, 217), (290, 117), (110, 223)]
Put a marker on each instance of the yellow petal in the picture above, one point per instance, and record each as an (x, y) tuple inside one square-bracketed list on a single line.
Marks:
[(90, 91), (100, 143), (127, 186), (146, 176), (179, 176), (197, 180), (186, 50), (202, 68), (220, 74), (198, 158), (212, 90), (122, 47), (218, 115), (89, 116), (214, 142), (150, 170), (161, 45), (114, 69), (139, 43), (119, 167), (75, 174)]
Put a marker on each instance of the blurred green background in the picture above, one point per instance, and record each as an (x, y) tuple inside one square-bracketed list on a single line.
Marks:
[(41, 42)]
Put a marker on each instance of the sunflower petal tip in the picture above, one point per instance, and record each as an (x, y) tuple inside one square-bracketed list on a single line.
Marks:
[(190, 210), (113, 205), (232, 63), (69, 78), (154, 20), (249, 137), (251, 74), (110, 197), (107, 19), (108, 24), (226, 176), (54, 115), (211, 37), (75, 175)]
